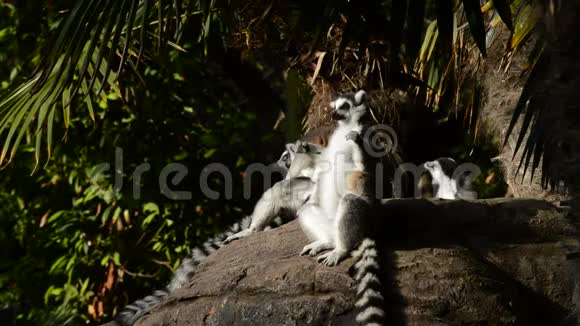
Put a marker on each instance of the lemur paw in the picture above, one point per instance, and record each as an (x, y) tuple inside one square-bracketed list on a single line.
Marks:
[(315, 248), (353, 135), (237, 236), (333, 257), (301, 147)]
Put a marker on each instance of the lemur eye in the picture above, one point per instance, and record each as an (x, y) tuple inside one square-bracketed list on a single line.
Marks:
[(285, 157), (344, 106)]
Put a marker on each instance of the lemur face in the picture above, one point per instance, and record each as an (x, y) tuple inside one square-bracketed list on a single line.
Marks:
[(286, 159), (291, 149), (298, 147), (440, 167), (350, 108), (434, 169)]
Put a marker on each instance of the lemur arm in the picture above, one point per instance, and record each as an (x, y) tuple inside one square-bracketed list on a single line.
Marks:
[(357, 150)]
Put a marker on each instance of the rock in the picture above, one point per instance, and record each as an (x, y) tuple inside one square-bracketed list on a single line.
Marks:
[(449, 263)]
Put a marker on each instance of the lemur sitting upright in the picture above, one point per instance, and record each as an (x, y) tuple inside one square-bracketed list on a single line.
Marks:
[(444, 181), (274, 208), (338, 216)]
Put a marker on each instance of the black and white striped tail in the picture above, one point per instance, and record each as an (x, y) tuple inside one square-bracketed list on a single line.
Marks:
[(131, 313), (369, 300)]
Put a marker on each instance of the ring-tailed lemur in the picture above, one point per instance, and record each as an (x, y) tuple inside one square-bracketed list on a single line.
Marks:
[(287, 196), (338, 216), (276, 206), (299, 159), (314, 140), (441, 181)]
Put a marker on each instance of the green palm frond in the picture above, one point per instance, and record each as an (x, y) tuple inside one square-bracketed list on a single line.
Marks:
[(416, 41), (534, 125), (86, 56), (540, 131), (445, 49)]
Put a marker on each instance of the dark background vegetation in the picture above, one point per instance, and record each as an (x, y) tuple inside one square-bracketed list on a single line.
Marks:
[(204, 82)]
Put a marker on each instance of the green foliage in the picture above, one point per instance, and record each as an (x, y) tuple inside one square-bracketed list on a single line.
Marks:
[(175, 82), (75, 246)]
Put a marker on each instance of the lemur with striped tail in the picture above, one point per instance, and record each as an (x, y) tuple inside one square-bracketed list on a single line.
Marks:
[(338, 216), (445, 181), (286, 196), (276, 206), (183, 274)]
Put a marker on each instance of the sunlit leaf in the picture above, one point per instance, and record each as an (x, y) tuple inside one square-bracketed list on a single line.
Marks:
[(503, 9), (430, 37), (432, 46), (151, 207), (525, 22)]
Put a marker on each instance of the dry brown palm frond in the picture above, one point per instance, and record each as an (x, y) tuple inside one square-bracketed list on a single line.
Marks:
[(318, 113)]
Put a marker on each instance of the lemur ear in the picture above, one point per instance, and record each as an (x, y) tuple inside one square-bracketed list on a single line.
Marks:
[(332, 105), (360, 97)]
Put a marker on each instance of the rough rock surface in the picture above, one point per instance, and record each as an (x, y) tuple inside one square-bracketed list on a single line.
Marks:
[(499, 262)]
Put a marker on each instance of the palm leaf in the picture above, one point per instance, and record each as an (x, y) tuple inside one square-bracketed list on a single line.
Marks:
[(476, 25), (503, 9), (526, 21), (532, 105), (85, 57), (523, 104)]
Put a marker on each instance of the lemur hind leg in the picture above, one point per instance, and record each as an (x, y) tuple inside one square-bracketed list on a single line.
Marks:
[(348, 225), (318, 227), (282, 200), (265, 211)]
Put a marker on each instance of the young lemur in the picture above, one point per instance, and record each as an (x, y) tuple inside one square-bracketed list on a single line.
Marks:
[(338, 215), (274, 208)]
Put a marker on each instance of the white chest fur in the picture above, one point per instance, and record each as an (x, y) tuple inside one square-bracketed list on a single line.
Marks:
[(335, 166), (447, 187)]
